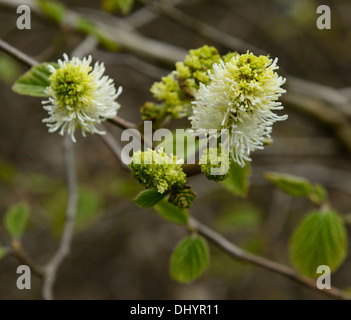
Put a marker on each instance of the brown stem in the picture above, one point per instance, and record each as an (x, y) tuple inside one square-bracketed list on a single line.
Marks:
[(240, 254), (18, 252)]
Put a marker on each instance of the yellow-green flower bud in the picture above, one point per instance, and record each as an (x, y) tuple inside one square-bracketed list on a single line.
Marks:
[(182, 197), (215, 165), (157, 170), (149, 111)]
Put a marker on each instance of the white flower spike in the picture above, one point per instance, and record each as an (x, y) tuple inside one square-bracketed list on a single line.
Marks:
[(241, 97), (80, 96)]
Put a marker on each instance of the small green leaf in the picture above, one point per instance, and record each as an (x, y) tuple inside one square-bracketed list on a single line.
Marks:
[(293, 185), (3, 252), (320, 239), (54, 10), (172, 213), (148, 198), (190, 259), (238, 181), (124, 6), (35, 81), (16, 219)]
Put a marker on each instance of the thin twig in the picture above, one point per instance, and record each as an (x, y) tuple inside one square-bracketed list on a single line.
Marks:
[(114, 146), (122, 123), (17, 54), (240, 254), (132, 62), (18, 252), (71, 210), (207, 31)]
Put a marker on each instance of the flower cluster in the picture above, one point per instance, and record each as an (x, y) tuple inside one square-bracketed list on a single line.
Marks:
[(240, 97), (176, 91), (79, 97), (157, 170)]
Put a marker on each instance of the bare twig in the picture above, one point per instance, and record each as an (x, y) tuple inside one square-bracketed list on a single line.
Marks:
[(65, 244), (17, 252), (123, 35), (17, 54), (240, 254), (137, 64), (207, 31), (122, 123), (114, 146)]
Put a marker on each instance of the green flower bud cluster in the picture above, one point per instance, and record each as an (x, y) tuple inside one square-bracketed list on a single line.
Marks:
[(215, 165), (182, 197), (157, 170), (169, 92), (194, 69), (252, 74), (150, 111), (176, 91)]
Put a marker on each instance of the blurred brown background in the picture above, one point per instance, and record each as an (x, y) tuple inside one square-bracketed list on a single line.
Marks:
[(120, 251)]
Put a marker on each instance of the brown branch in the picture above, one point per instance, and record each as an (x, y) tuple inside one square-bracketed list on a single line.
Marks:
[(17, 54), (18, 252), (114, 146), (122, 123), (240, 254)]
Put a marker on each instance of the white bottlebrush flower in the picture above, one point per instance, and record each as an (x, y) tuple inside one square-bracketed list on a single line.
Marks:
[(80, 96), (241, 97)]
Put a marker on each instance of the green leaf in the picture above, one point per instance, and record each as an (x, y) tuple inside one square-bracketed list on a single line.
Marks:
[(190, 259), (172, 213), (124, 6), (54, 10), (320, 239), (293, 185), (35, 81), (16, 219), (148, 198), (238, 181), (3, 252)]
